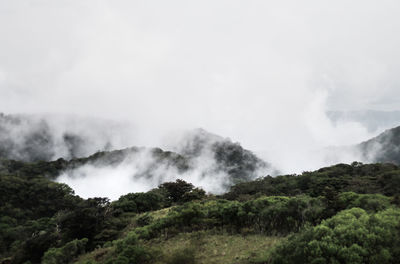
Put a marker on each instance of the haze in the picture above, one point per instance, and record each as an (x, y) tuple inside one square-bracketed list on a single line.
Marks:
[(263, 73)]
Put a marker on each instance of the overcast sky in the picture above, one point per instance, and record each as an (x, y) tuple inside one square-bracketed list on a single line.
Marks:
[(261, 72)]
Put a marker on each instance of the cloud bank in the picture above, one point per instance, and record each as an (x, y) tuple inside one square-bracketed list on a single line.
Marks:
[(262, 72), (142, 169)]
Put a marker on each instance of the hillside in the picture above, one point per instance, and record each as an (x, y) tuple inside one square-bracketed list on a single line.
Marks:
[(346, 213), (151, 162), (40, 138), (262, 221), (241, 164), (208, 160), (383, 148)]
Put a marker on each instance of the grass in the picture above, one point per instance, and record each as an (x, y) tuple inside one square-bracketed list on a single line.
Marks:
[(210, 248), (204, 247)]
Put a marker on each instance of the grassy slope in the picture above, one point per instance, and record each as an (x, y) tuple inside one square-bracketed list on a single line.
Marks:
[(209, 247), (212, 248)]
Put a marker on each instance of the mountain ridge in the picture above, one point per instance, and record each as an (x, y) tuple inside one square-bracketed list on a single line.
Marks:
[(383, 148)]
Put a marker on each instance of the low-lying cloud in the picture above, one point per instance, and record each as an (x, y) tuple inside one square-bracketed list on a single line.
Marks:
[(142, 171), (263, 73)]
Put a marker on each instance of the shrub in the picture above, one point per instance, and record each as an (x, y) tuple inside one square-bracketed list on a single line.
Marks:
[(352, 236), (144, 220), (66, 253), (129, 249)]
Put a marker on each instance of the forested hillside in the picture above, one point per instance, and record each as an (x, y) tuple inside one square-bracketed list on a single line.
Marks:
[(199, 132), (50, 148), (346, 213), (339, 214)]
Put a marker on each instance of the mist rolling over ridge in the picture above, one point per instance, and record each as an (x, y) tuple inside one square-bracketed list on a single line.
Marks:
[(263, 74), (199, 132), (207, 160)]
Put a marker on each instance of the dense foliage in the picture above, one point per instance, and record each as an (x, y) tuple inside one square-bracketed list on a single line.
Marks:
[(37, 214), (340, 214), (352, 236), (357, 177)]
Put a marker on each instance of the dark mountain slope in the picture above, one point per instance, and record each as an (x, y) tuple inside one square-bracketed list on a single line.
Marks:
[(383, 148), (224, 157), (54, 145), (241, 164), (35, 138)]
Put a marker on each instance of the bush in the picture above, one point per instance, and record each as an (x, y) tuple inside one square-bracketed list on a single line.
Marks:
[(66, 253), (140, 202), (129, 249), (144, 220), (368, 202), (352, 236)]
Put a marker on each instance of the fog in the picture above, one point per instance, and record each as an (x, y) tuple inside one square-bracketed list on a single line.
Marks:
[(263, 73), (132, 175)]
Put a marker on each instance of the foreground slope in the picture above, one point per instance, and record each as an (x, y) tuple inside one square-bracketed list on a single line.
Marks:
[(44, 222)]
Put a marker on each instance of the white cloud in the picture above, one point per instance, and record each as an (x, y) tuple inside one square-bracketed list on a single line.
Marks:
[(253, 71)]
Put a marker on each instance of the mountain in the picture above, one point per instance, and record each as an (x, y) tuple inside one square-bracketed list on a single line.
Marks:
[(33, 138), (208, 160), (383, 148), (257, 221), (59, 145), (241, 164)]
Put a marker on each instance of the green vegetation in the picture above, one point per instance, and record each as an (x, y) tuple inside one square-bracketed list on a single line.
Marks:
[(66, 253), (352, 236), (357, 177), (210, 247), (340, 214)]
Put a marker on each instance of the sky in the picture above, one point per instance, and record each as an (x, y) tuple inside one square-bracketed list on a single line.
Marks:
[(263, 73)]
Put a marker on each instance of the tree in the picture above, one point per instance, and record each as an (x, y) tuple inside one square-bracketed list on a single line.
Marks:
[(177, 190), (140, 202), (86, 220)]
